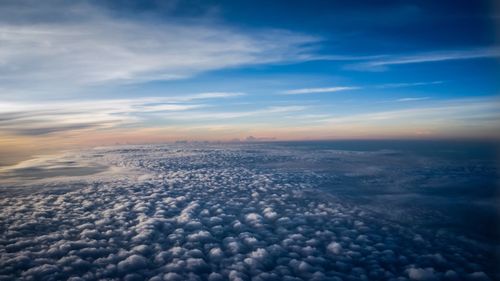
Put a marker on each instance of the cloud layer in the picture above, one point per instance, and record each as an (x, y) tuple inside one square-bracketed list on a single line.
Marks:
[(213, 213)]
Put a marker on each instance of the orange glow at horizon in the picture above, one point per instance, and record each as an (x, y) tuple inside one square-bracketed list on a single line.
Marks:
[(14, 147)]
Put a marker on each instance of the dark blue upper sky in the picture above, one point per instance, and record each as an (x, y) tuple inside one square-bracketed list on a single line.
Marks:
[(359, 26)]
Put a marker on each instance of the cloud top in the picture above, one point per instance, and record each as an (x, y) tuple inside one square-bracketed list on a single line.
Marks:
[(218, 213)]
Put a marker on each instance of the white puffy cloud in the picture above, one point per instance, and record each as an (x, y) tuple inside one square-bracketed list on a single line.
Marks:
[(422, 274), (196, 218), (335, 248)]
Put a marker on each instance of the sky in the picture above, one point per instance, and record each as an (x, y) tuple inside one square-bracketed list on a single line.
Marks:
[(103, 72)]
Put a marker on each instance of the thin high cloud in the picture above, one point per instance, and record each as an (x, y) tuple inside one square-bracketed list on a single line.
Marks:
[(30, 118), (92, 47), (211, 95), (304, 91), (467, 111), (25, 118), (412, 99), (384, 62), (411, 84), (318, 90), (228, 115)]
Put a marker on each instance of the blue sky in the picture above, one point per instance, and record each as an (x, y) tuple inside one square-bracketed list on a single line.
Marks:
[(108, 71)]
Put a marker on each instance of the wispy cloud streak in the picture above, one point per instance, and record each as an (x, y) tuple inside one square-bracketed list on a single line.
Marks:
[(412, 99), (265, 112), (318, 90), (445, 111), (385, 61), (93, 47), (30, 118), (411, 84)]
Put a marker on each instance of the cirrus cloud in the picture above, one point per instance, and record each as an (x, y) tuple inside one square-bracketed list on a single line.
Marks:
[(318, 90), (90, 46)]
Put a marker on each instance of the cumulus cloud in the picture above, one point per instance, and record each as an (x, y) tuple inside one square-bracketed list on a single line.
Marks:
[(197, 217), (132, 263), (335, 248), (422, 274)]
